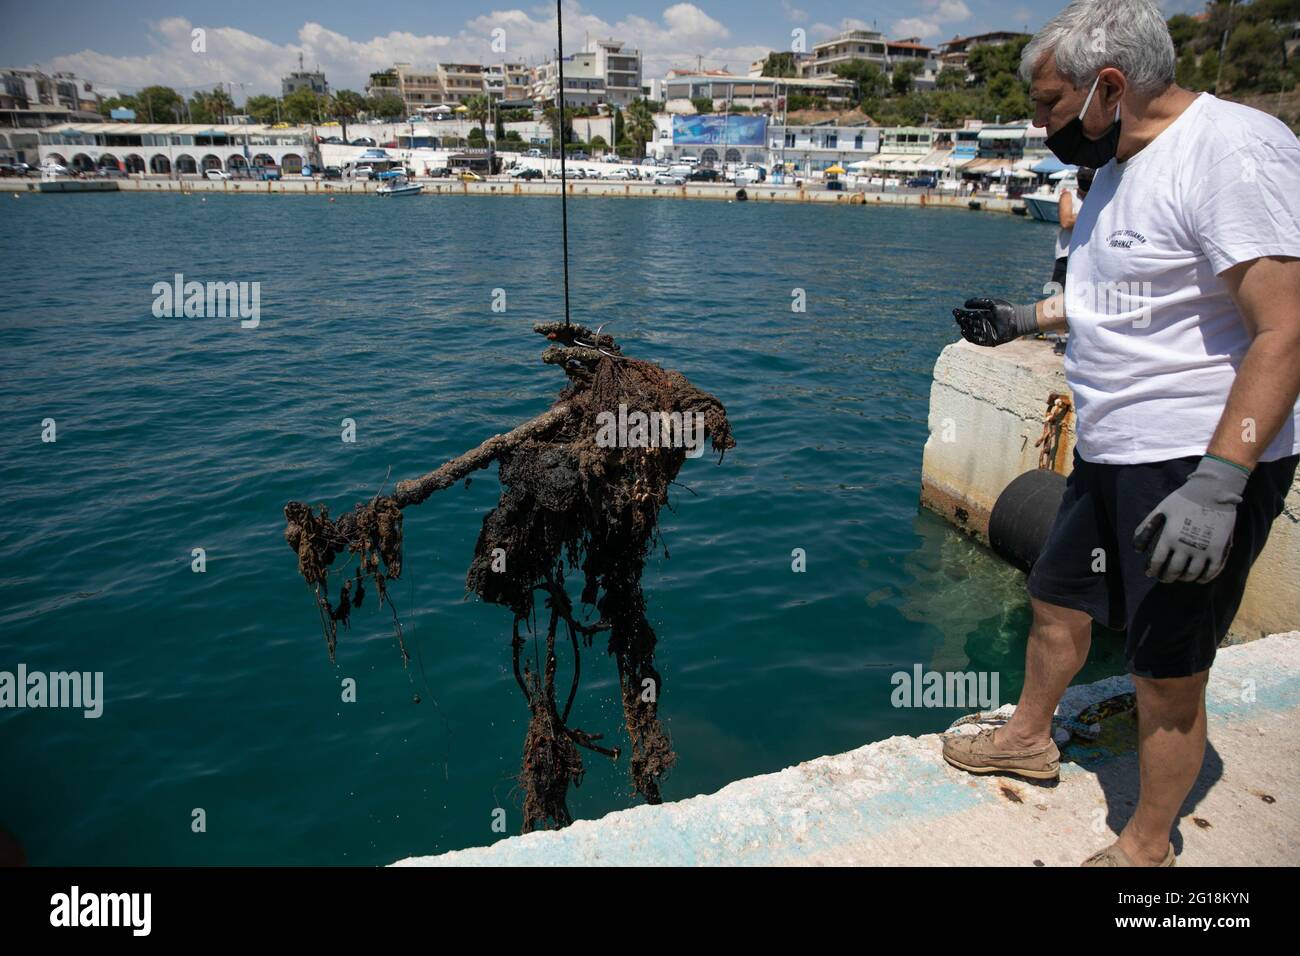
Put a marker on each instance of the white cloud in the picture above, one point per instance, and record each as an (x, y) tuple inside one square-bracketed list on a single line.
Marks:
[(682, 33), (937, 17)]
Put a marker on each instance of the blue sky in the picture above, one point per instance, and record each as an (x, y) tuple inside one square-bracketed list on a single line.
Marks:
[(131, 44)]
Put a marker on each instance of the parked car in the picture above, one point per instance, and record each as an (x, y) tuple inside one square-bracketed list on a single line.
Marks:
[(215, 174), (15, 169), (578, 154), (363, 141), (668, 179), (704, 176), (363, 172), (54, 169), (331, 139), (922, 182), (469, 176), (440, 172), (331, 172), (620, 174), (109, 172), (535, 153), (526, 172)]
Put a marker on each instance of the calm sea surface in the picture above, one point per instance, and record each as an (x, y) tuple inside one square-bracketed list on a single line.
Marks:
[(175, 434)]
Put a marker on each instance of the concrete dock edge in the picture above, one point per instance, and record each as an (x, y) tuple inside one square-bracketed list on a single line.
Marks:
[(896, 802)]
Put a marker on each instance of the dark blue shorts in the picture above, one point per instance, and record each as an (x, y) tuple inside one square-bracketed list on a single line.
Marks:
[(1089, 562)]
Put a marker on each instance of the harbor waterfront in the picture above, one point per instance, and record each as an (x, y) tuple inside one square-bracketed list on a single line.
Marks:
[(175, 434), (505, 187)]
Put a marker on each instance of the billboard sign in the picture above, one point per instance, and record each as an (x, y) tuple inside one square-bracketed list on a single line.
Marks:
[(713, 129)]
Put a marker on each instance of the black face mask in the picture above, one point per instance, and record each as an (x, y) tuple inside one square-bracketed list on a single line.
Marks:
[(1072, 145)]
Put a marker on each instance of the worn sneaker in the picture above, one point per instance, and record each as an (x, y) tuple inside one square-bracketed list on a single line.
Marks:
[(975, 753), (1114, 856)]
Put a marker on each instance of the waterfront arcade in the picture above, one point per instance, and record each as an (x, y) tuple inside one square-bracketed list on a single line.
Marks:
[(175, 150)]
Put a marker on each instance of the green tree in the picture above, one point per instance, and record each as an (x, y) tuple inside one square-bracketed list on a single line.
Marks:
[(868, 81), (950, 78), (213, 107), (480, 111), (779, 63), (987, 60), (345, 106), (264, 109), (640, 124), (702, 104), (598, 143), (159, 104), (128, 102), (386, 106), (905, 76), (303, 106)]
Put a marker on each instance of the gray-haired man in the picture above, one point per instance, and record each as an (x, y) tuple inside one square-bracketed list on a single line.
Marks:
[(1183, 307)]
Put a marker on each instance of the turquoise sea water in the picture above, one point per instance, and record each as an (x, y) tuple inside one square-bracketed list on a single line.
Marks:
[(174, 434)]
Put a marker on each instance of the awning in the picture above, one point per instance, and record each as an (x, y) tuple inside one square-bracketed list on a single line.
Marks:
[(895, 162), (1050, 165), (1017, 132), (936, 161), (987, 167)]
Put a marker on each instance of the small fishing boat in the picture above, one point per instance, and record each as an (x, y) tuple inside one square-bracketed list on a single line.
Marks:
[(400, 187), (1043, 203)]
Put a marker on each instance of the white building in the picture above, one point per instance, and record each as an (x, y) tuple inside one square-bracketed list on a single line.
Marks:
[(167, 149), (604, 73), (681, 88), (808, 150)]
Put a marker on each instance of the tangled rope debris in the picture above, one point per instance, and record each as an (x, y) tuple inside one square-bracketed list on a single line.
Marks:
[(572, 502), (1058, 409)]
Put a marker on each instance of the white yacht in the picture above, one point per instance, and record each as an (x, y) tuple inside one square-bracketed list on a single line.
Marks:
[(1042, 204)]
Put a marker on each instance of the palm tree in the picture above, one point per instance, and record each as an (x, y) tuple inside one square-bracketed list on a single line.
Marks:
[(480, 111), (345, 105), (640, 124)]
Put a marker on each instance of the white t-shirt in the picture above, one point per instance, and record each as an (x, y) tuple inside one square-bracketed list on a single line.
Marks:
[(1155, 338)]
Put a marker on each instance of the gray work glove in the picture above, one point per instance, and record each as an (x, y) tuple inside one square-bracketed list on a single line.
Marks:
[(1187, 536), (995, 321)]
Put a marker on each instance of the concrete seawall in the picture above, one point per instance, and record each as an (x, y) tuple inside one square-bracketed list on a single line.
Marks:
[(896, 803), (578, 188), (987, 408)]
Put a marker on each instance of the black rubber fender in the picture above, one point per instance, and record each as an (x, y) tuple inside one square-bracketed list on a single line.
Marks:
[(1023, 514)]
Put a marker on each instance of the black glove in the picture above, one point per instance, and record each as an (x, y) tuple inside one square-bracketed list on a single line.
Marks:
[(995, 321)]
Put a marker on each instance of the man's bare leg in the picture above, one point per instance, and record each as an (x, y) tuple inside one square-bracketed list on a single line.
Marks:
[(1058, 646), (1171, 750)]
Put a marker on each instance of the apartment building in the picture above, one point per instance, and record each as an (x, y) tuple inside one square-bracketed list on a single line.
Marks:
[(450, 84), (605, 72), (869, 45), (956, 51), (304, 79)]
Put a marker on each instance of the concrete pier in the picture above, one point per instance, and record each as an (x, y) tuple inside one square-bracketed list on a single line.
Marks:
[(987, 408), (896, 803), (500, 187)]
